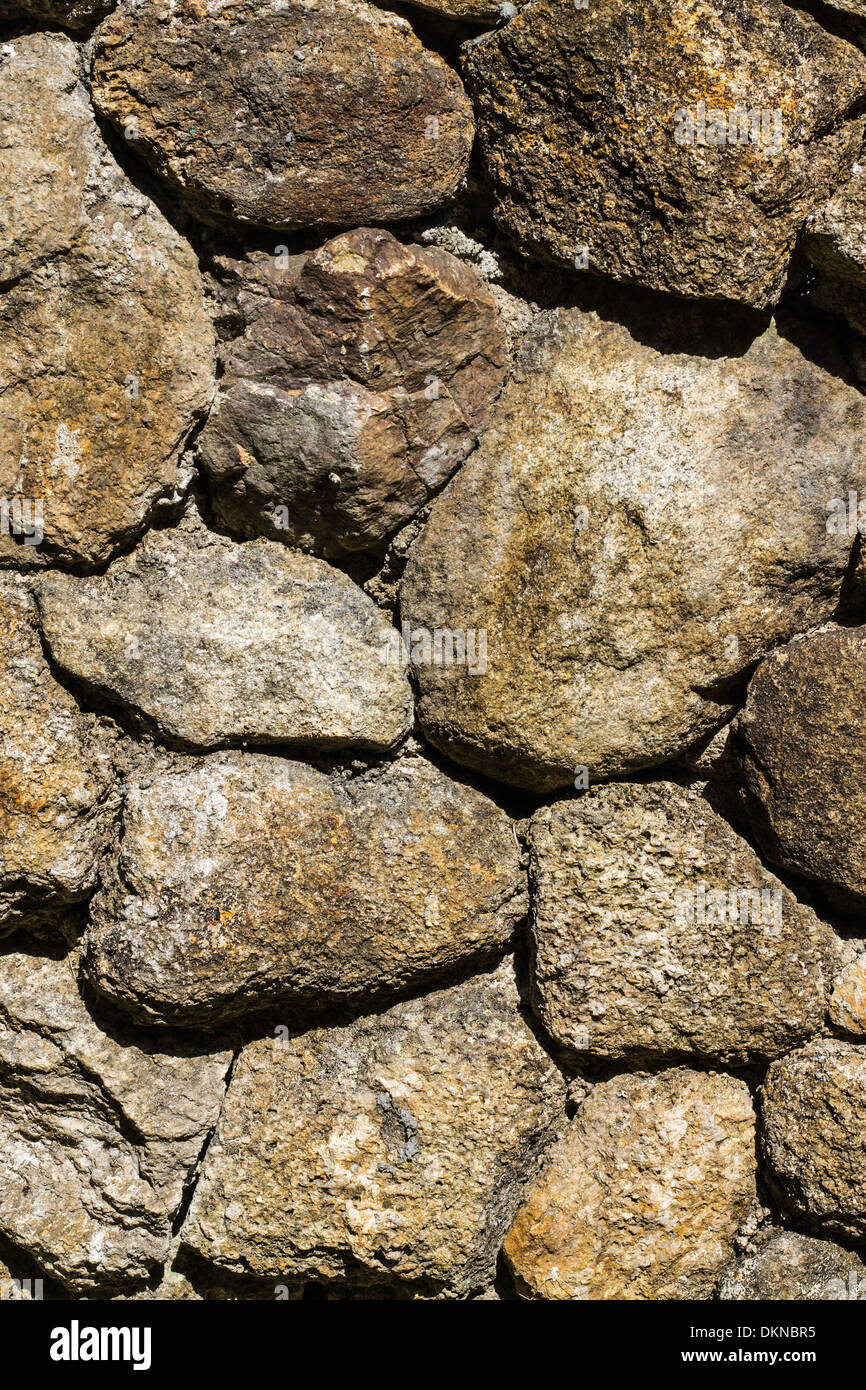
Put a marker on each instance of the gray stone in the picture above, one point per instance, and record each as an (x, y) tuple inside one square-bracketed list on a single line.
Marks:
[(100, 1132), (212, 642)]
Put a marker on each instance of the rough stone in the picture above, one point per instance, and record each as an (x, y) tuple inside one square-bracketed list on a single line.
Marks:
[(643, 1194), (106, 349), (636, 529), (658, 933), (848, 998), (211, 641), (799, 755), (813, 1104), (595, 125), (474, 11), (58, 799), (835, 241), (302, 113), (789, 1267), (354, 395), (390, 1152), (99, 1132), (245, 881)]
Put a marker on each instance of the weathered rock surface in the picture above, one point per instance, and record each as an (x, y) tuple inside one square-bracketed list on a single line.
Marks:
[(97, 395), (643, 1195), (636, 528), (58, 800), (658, 933), (302, 113), (848, 998), (354, 395), (99, 1133), (211, 641), (799, 751), (627, 133), (813, 1105), (70, 14), (791, 1267), (478, 11), (835, 241), (244, 881), (393, 1151)]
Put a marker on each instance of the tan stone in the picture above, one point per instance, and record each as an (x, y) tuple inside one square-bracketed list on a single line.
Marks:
[(58, 796), (390, 1153), (106, 349), (643, 1195)]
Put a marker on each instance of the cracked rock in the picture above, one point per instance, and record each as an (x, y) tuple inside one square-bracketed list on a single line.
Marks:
[(644, 1193), (303, 113), (58, 801), (390, 1152), (99, 1133), (637, 527), (658, 933), (813, 1103), (675, 147), (106, 349), (244, 881), (354, 395), (209, 641), (800, 759), (848, 999), (790, 1267)]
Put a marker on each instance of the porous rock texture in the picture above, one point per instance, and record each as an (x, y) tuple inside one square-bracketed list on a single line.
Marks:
[(353, 394), (637, 528), (106, 350), (405, 1140), (213, 642), (242, 881), (658, 931), (628, 133), (431, 651), (301, 113), (58, 800), (813, 1135), (790, 1267), (644, 1193), (798, 748), (99, 1132)]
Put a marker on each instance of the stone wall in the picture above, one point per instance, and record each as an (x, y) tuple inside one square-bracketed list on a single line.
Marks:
[(433, 626)]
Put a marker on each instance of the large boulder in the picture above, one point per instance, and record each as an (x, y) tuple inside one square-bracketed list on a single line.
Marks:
[(100, 1132), (353, 394), (644, 1193), (300, 113), (658, 933), (392, 1152), (812, 1136), (97, 394), (209, 642), (242, 881), (637, 528), (676, 147), (799, 754)]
